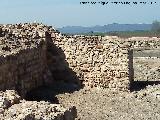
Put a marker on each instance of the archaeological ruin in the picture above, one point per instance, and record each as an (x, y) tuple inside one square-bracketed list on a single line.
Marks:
[(33, 55)]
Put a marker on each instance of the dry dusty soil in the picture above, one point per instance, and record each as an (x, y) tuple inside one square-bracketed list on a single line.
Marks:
[(146, 69), (104, 104), (142, 103)]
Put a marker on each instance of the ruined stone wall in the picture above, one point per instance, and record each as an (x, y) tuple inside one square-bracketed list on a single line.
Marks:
[(146, 54), (29, 51), (23, 67), (144, 42), (23, 64), (96, 61), (100, 61), (24, 70)]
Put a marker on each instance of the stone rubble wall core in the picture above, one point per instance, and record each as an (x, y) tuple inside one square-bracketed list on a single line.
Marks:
[(97, 64), (22, 57), (105, 62)]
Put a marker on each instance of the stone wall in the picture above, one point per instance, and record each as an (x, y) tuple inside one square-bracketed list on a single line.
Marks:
[(96, 61), (99, 61), (144, 42), (31, 55), (23, 67), (24, 70), (145, 58), (28, 52), (23, 64)]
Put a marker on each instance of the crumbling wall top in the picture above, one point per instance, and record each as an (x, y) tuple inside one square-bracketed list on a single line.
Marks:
[(16, 37)]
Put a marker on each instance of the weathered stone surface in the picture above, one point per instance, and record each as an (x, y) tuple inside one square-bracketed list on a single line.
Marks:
[(33, 110), (7, 99), (93, 60), (101, 60), (23, 63), (13, 108), (97, 60)]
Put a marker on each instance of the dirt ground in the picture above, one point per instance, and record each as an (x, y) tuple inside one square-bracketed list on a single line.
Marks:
[(143, 103), (104, 104), (146, 69)]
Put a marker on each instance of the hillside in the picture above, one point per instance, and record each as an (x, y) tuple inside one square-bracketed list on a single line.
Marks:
[(105, 28)]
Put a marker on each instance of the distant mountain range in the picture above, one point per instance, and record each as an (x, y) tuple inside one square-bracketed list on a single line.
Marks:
[(105, 28)]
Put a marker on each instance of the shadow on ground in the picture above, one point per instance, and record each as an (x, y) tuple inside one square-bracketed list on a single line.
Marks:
[(48, 93), (139, 85)]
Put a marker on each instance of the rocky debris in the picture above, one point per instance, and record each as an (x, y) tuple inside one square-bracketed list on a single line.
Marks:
[(32, 110), (7, 99), (151, 91), (146, 65), (13, 108)]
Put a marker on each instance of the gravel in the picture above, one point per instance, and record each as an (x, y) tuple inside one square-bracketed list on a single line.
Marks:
[(105, 104)]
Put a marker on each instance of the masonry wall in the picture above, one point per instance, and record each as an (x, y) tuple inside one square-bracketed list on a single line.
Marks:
[(146, 59), (91, 61), (23, 71), (23, 61), (144, 42), (105, 62), (96, 61)]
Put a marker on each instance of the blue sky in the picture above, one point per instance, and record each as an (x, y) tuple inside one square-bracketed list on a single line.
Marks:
[(69, 12)]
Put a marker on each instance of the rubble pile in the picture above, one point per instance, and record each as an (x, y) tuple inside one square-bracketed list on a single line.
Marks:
[(12, 107)]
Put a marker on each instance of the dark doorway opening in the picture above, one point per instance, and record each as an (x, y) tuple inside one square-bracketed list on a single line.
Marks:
[(48, 92)]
